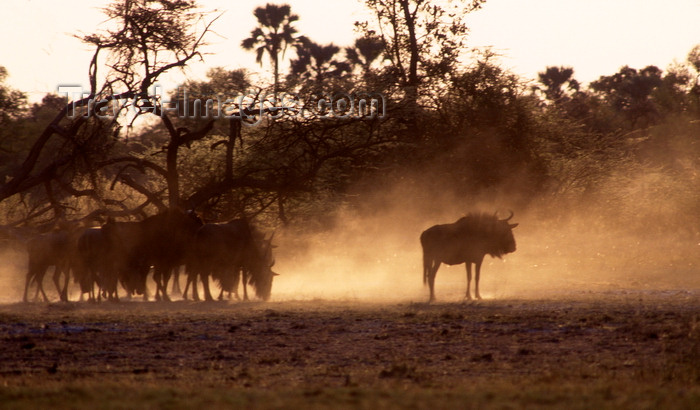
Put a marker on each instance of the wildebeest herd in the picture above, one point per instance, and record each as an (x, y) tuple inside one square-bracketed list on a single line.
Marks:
[(100, 259), (125, 253)]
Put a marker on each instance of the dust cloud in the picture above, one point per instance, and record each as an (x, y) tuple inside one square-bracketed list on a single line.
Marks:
[(13, 266), (634, 234), (638, 232)]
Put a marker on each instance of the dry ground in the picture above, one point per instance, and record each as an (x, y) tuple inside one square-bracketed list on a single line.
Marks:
[(621, 349)]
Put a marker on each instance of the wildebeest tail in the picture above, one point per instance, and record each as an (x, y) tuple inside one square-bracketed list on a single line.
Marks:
[(427, 262)]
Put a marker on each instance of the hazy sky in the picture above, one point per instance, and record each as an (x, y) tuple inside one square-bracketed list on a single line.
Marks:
[(596, 37)]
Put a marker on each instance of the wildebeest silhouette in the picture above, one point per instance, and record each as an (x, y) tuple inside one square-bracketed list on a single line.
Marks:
[(95, 264), (227, 252), (466, 241), (50, 249), (165, 240), (123, 252), (130, 261)]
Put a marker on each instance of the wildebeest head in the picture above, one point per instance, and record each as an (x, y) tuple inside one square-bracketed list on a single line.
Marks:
[(262, 265), (503, 235), (495, 235)]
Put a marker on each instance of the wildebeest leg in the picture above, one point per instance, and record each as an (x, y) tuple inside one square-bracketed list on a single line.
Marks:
[(224, 282), (187, 288), (112, 284), (57, 281), (468, 296), (145, 289), (191, 280), (90, 282), (434, 266), (62, 290), (156, 279), (40, 284), (176, 281), (36, 273), (195, 289), (32, 273), (189, 274), (161, 277), (477, 264), (26, 286), (234, 285), (244, 282), (205, 285), (166, 279)]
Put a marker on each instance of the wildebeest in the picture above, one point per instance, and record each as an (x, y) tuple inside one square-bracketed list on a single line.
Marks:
[(50, 249), (57, 248), (129, 258), (95, 262), (227, 251), (466, 241), (109, 255), (165, 239), (123, 252)]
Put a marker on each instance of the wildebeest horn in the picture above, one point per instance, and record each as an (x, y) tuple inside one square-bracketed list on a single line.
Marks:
[(509, 217)]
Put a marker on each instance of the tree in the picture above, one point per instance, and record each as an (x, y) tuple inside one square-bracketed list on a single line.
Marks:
[(629, 92), (12, 102), (424, 40), (316, 65), (150, 38), (13, 106), (273, 35), (365, 51), (694, 60), (553, 79)]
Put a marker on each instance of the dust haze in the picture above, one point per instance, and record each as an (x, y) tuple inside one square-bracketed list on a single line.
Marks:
[(636, 233)]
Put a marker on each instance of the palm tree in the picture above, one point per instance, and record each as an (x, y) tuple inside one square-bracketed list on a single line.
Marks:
[(316, 63), (273, 35), (365, 51)]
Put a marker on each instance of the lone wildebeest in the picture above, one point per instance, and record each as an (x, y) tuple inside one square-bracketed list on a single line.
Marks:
[(227, 251), (466, 241)]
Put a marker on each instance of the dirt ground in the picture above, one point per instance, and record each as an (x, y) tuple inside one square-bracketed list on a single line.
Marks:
[(615, 349)]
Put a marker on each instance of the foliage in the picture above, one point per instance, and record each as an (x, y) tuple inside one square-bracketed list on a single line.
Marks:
[(12, 102), (273, 35), (423, 39), (69, 156), (151, 38), (317, 67), (449, 121)]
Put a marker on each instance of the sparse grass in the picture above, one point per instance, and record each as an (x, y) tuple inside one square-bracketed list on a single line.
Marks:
[(595, 351), (527, 393)]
